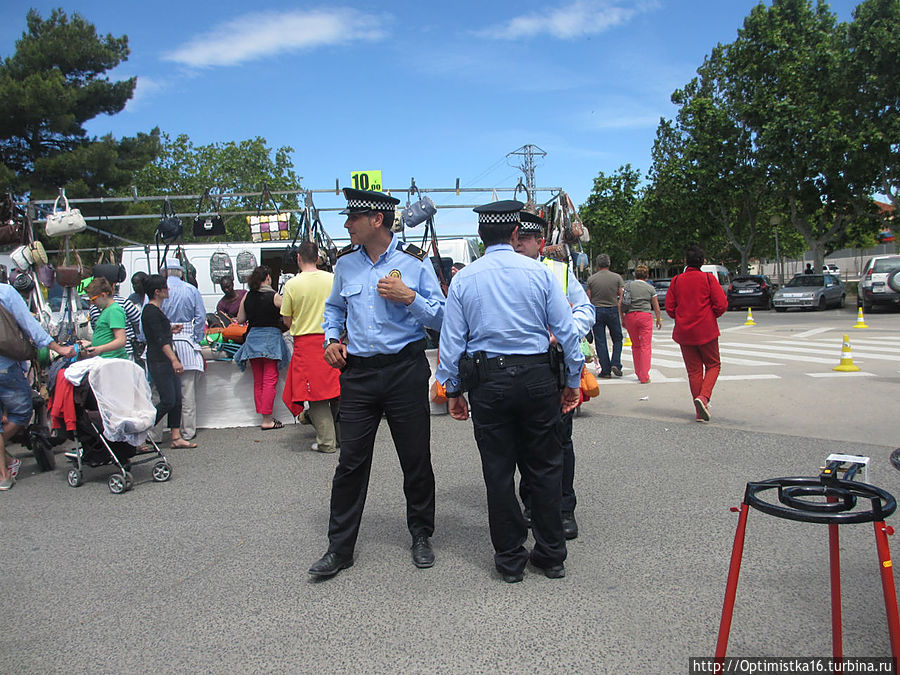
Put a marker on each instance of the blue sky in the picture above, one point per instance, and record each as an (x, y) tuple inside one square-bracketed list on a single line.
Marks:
[(436, 91)]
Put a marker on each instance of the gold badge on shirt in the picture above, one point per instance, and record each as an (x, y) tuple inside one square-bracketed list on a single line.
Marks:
[(395, 273)]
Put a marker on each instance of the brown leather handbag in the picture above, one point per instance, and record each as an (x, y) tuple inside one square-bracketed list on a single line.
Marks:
[(69, 276)]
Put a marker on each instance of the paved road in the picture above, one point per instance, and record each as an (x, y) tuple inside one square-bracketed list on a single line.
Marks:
[(207, 573)]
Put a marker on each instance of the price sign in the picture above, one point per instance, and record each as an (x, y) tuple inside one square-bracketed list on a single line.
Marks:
[(366, 180)]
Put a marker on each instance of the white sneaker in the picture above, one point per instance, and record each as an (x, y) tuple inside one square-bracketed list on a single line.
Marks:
[(14, 467), (7, 484)]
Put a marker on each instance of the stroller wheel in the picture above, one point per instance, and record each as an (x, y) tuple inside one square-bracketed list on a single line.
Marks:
[(162, 472), (117, 484), (129, 481), (73, 478)]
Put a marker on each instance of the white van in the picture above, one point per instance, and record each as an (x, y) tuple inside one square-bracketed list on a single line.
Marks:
[(271, 254), (721, 273)]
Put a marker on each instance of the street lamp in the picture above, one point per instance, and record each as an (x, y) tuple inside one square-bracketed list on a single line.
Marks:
[(775, 221)]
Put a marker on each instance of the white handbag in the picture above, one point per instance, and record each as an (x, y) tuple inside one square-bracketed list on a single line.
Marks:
[(21, 258), (68, 221)]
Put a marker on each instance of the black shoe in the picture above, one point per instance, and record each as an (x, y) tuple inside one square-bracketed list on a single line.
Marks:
[(607, 376), (330, 564), (616, 371), (510, 577), (422, 553), (526, 514), (570, 527), (552, 572)]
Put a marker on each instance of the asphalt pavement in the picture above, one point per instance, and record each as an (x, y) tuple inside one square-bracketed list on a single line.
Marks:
[(207, 572)]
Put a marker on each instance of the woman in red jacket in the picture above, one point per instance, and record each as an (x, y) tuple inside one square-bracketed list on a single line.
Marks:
[(695, 300)]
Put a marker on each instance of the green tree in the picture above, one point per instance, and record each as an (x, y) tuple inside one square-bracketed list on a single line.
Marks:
[(790, 80), (706, 161), (614, 215), (874, 42), (54, 83), (231, 167)]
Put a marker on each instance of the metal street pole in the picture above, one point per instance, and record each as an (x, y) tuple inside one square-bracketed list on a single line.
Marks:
[(775, 221)]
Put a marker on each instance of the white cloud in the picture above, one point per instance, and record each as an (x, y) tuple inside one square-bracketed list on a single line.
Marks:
[(261, 34), (578, 19), (145, 89)]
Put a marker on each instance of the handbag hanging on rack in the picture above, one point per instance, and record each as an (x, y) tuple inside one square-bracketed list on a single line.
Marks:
[(208, 226), (190, 272), (274, 227), (220, 267), (65, 222), (69, 276), (170, 227), (246, 263)]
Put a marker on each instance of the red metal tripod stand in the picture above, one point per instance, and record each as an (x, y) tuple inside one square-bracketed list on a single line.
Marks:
[(794, 504)]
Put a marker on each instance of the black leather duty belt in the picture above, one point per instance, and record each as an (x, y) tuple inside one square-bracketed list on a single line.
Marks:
[(380, 360), (500, 362)]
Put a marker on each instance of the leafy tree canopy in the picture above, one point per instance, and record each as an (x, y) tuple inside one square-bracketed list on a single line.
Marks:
[(54, 83)]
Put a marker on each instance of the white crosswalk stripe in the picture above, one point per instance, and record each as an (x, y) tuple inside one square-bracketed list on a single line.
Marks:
[(818, 346)]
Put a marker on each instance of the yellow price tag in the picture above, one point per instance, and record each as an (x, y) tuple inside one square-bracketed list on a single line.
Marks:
[(366, 180)]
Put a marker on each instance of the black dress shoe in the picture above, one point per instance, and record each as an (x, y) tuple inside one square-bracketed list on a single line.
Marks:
[(511, 577), (552, 572), (330, 564), (570, 527), (422, 553)]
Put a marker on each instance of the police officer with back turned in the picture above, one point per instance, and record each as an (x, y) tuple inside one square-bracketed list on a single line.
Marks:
[(531, 243), (385, 293), (495, 342)]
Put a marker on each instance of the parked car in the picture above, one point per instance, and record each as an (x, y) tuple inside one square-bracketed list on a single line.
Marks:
[(662, 287), (810, 291), (832, 269), (750, 290), (873, 286)]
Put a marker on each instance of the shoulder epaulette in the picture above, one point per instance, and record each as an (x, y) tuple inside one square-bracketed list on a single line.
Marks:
[(349, 248), (414, 251)]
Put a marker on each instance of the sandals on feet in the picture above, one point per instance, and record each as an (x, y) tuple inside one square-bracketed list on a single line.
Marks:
[(275, 425), (181, 443)]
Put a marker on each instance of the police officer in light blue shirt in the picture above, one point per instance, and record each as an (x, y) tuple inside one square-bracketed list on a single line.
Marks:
[(499, 315), (531, 243), (385, 293)]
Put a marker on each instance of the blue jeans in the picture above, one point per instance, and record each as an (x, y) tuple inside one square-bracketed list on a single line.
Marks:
[(608, 318), (15, 395)]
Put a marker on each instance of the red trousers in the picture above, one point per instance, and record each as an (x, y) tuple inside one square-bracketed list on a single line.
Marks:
[(696, 359), (640, 329), (265, 380)]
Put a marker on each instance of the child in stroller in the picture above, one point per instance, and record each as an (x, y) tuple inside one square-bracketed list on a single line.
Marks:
[(113, 414)]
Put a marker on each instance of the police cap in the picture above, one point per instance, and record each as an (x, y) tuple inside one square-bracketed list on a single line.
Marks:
[(499, 212), (360, 201), (532, 224)]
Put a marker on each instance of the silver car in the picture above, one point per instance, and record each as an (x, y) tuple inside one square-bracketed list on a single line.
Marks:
[(810, 291)]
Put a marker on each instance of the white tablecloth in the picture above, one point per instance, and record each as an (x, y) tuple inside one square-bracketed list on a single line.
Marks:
[(225, 396)]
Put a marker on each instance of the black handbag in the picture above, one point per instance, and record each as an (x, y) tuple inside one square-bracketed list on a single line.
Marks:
[(208, 226), (170, 227)]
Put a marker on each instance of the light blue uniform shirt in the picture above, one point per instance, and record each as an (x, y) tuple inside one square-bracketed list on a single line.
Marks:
[(583, 312), (185, 305), (375, 325), (505, 303), (13, 302)]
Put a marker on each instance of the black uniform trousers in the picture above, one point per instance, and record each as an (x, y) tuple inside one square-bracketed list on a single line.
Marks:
[(398, 391), (517, 420), (568, 475)]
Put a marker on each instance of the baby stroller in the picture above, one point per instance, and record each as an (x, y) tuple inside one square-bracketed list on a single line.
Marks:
[(113, 414)]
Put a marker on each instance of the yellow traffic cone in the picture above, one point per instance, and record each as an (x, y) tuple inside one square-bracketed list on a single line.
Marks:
[(749, 321), (846, 364), (627, 341), (860, 321)]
